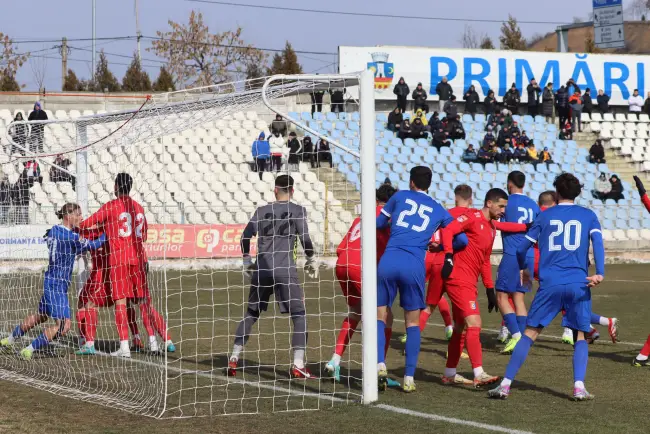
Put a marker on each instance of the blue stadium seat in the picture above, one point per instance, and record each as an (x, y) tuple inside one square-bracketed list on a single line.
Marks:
[(327, 125), (438, 168), (528, 119), (409, 143), (610, 202), (551, 128), (445, 186), (442, 159), (490, 167), (318, 116), (538, 136), (455, 159), (602, 167), (355, 116), (381, 117), (474, 177), (331, 117), (294, 115), (477, 167), (448, 177), (608, 224), (541, 168), (501, 178), (340, 125), (389, 158), (420, 151), (467, 118), (633, 224), (354, 126), (451, 168), (461, 143), (379, 126), (337, 134), (435, 177), (415, 159), (540, 119), (429, 159), (516, 118), (621, 213), (393, 151), (422, 142), (461, 178), (445, 150), (305, 116), (403, 159), (539, 177), (481, 118)]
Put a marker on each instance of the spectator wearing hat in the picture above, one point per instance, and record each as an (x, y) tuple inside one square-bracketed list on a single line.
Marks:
[(588, 104), (401, 90), (576, 104), (548, 102), (444, 92), (434, 122), (490, 103), (503, 134), (420, 99), (515, 128), (308, 152), (295, 151), (566, 133), (616, 192), (324, 152), (261, 153), (512, 98), (404, 130), (506, 154), (395, 119), (450, 108), (279, 125), (533, 91), (603, 102), (419, 114), (546, 157), (471, 101), (36, 136), (523, 138), (469, 155), (597, 152), (602, 187)]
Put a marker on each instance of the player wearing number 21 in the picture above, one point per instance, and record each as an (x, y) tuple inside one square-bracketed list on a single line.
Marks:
[(562, 233)]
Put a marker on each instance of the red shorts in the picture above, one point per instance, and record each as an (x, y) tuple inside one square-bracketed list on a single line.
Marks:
[(128, 281), (350, 280), (96, 290), (436, 285), (464, 299)]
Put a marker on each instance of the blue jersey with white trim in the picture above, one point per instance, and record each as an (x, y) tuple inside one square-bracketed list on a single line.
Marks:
[(520, 209), (563, 233), (415, 216)]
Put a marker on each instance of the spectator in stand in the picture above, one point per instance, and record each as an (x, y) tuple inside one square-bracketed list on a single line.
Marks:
[(471, 101), (635, 102), (295, 151), (495, 152), (533, 90), (572, 87), (514, 139), (576, 104), (484, 155), (515, 128), (58, 175), (520, 154), (434, 122), (418, 129), (506, 154), (456, 129), (33, 171), (261, 153), (512, 99), (597, 152), (5, 199), (419, 114), (279, 125), (420, 99), (18, 133), (20, 199), (588, 104), (548, 102), (616, 192), (444, 92), (395, 119), (404, 130), (546, 157), (276, 144), (401, 90), (489, 136), (324, 152), (450, 108), (646, 105), (503, 134), (506, 119), (308, 155), (523, 138), (492, 123), (533, 155), (440, 139), (490, 103), (562, 104), (36, 136), (602, 187), (469, 156), (316, 101), (566, 133), (337, 100), (603, 102)]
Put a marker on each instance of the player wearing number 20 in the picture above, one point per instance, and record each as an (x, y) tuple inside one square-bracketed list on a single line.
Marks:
[(562, 233), (414, 217)]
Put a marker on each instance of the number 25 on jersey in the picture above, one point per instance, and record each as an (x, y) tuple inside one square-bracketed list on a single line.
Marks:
[(418, 225)]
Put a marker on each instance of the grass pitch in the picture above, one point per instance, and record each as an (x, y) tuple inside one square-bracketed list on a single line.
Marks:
[(204, 309)]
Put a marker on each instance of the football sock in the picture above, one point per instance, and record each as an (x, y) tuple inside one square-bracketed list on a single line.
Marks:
[(336, 360), (299, 358), (381, 341), (121, 322), (424, 317), (299, 336), (132, 319), (506, 382), (91, 325), (146, 319), (478, 371), (463, 339), (450, 372), (645, 351), (579, 384), (641, 358), (474, 346), (18, 332), (454, 349), (604, 321), (388, 332), (81, 322), (159, 323), (580, 358), (595, 319), (245, 326), (521, 323), (511, 322), (236, 350), (518, 357), (347, 330), (412, 350), (40, 342), (443, 307)]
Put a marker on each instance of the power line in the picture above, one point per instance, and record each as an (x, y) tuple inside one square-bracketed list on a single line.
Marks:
[(370, 15), (42, 41)]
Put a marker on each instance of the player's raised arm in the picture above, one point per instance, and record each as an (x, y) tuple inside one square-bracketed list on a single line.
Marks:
[(642, 192), (510, 227), (100, 217), (599, 252), (384, 216)]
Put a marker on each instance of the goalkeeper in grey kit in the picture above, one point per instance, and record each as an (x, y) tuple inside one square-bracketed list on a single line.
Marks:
[(278, 226)]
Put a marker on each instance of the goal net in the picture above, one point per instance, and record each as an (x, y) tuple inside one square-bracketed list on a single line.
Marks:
[(190, 154)]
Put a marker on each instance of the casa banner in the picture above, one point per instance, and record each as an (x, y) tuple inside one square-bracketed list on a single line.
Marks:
[(617, 74), (195, 241)]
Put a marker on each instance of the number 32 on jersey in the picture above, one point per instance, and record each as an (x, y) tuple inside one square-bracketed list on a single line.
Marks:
[(126, 224)]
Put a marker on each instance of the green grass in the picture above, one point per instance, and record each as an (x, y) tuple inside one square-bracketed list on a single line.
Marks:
[(203, 316)]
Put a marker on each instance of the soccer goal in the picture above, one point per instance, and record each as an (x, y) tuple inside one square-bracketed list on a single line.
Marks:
[(190, 156)]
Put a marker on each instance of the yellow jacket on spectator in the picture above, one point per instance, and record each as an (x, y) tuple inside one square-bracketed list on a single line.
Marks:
[(545, 156), (532, 153), (420, 114)]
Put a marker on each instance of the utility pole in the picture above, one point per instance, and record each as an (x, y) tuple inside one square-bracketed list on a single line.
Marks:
[(137, 30), (64, 61), (94, 48)]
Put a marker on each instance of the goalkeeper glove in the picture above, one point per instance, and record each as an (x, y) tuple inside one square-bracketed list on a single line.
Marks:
[(448, 265), (492, 300), (248, 266), (639, 186), (311, 267)]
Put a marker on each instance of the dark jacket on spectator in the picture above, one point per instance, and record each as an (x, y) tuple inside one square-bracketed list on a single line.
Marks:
[(456, 130), (419, 95), (471, 100), (295, 149), (418, 130), (37, 115), (451, 109), (597, 151), (588, 104), (5, 192), (444, 91), (395, 119), (616, 192), (470, 154), (307, 148), (489, 137), (279, 125), (603, 103), (404, 129), (547, 102), (18, 132), (512, 99), (490, 103), (562, 97), (20, 191), (533, 95), (401, 89), (440, 138), (646, 106), (484, 155), (434, 122), (501, 139)]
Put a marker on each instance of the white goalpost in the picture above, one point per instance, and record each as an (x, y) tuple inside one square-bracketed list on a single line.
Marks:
[(189, 153)]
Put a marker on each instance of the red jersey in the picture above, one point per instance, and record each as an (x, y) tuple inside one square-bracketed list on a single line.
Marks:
[(125, 225), (646, 202), (475, 258), (438, 258), (349, 250)]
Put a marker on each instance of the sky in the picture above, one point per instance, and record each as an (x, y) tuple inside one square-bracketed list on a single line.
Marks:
[(40, 20)]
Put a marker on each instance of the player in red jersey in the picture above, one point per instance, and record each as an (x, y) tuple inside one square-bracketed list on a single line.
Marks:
[(348, 273), (478, 225), (642, 358), (124, 223)]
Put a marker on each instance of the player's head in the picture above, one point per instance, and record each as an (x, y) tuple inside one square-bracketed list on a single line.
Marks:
[(516, 181), (384, 193), (547, 199), (70, 213), (567, 186), (463, 196), (123, 184), (495, 203), (283, 187), (420, 178)]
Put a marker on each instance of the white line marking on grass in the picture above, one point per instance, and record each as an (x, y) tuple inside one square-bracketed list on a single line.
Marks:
[(453, 420)]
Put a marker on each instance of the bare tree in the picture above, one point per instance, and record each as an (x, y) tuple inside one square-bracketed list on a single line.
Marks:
[(38, 65), (637, 10), (469, 38)]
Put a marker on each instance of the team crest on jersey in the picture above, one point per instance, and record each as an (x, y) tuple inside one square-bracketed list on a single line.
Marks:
[(462, 219), (472, 305)]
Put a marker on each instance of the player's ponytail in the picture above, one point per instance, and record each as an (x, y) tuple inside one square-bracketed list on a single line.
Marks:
[(66, 209)]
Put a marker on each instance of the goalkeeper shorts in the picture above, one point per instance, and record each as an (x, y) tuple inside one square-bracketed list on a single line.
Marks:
[(287, 291)]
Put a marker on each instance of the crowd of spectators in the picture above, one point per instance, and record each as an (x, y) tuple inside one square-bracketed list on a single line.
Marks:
[(26, 136), (611, 188)]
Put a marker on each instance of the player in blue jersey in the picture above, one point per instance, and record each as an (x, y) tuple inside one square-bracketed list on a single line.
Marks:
[(563, 234), (521, 209), (414, 216), (63, 247)]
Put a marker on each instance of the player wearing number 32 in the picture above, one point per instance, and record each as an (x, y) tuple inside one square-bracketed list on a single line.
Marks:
[(125, 225), (562, 233), (414, 217)]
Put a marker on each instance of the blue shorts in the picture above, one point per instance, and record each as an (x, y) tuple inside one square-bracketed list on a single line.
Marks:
[(574, 298), (508, 277), (54, 304), (403, 274)]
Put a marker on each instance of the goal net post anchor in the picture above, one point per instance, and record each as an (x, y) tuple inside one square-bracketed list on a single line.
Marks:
[(366, 155)]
